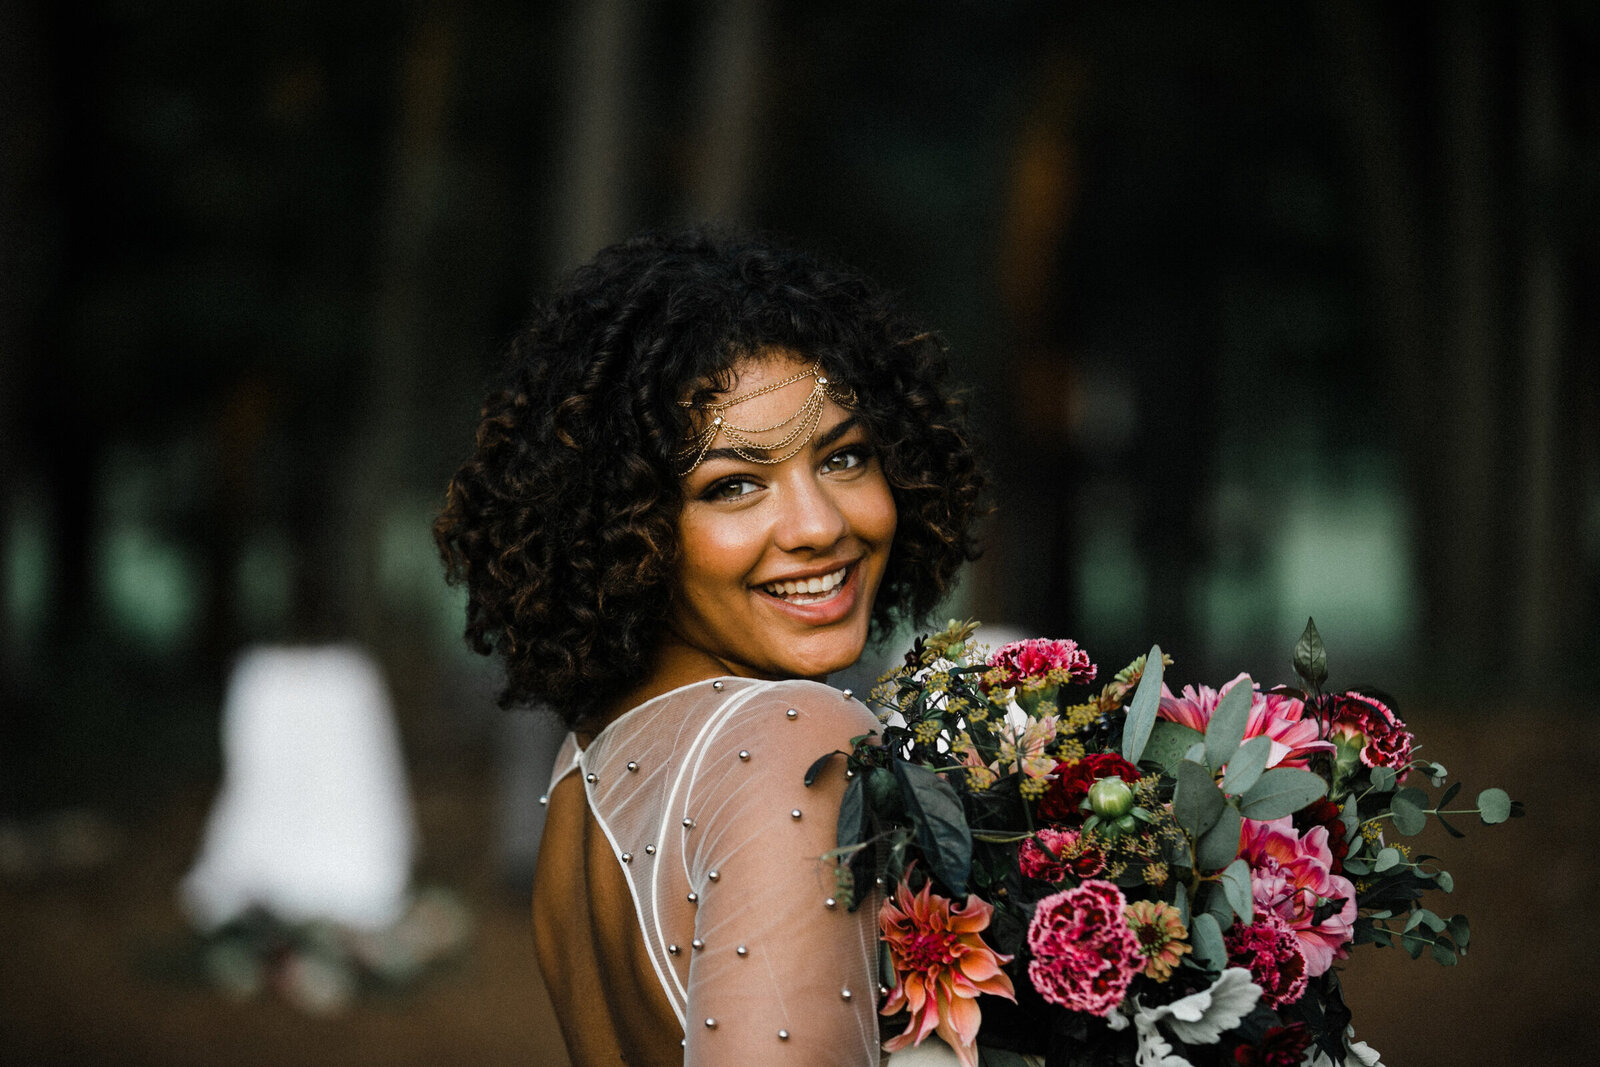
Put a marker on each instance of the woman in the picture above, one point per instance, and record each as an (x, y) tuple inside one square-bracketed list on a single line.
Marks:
[(712, 467)]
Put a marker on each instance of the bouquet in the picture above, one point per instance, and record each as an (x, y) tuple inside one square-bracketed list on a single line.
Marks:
[(1128, 875)]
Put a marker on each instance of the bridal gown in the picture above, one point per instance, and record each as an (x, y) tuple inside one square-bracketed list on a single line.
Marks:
[(700, 793)]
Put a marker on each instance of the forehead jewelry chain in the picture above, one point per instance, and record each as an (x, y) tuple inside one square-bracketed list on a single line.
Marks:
[(802, 423)]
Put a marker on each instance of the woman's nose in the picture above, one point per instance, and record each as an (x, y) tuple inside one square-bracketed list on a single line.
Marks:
[(811, 519)]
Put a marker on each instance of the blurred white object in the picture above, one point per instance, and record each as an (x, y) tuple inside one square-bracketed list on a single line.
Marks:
[(313, 820)]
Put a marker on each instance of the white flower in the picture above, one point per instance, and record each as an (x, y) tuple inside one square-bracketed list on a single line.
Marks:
[(1197, 1019), (1364, 1054)]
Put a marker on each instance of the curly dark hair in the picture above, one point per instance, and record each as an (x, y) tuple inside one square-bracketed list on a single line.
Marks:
[(563, 523)]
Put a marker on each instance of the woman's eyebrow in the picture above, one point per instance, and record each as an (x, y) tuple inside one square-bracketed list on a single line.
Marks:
[(845, 426)]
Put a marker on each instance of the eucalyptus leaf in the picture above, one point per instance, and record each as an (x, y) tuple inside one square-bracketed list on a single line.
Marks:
[(1406, 807), (1219, 907), (1169, 741), (1236, 885), (1311, 657), (1246, 765), (1180, 900), (1494, 805), (1387, 858), (1459, 931), (1443, 954), (941, 825), (1383, 779), (1449, 795), (1196, 802), (1206, 937), (1353, 865), (1220, 844), (1142, 709), (851, 809), (1446, 881), (1228, 722), (1281, 791)]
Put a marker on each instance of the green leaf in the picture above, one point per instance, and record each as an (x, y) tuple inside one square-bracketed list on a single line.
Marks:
[(941, 825), (1206, 937), (1446, 881), (1413, 945), (818, 764), (1196, 802), (1406, 806), (1494, 805), (1219, 908), (1387, 858), (1443, 954), (1142, 709), (1220, 844), (1246, 765), (1281, 791), (1228, 722), (1459, 931), (1180, 900), (1311, 658), (851, 810), (1383, 779), (1449, 795), (1353, 865), (1168, 742), (1236, 885)]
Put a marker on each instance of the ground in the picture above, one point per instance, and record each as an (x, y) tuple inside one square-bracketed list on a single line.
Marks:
[(78, 985)]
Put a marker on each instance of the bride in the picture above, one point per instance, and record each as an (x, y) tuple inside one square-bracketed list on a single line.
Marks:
[(711, 468)]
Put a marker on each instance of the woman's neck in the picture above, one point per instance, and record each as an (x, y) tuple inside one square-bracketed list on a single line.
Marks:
[(677, 664)]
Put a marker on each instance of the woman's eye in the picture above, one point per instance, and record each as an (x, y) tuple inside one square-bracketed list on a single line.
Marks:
[(845, 458), (730, 488)]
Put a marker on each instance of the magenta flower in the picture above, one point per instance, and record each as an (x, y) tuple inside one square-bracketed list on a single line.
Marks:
[(1271, 952), (941, 965), (1053, 855), (1029, 661), (1293, 876), (1084, 952), (1294, 737), (1358, 720)]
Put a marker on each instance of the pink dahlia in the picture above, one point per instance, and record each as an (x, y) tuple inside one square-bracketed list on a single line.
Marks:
[(1053, 855), (941, 965), (1029, 661), (1084, 953), (1358, 720), (1292, 875), (1294, 737), (1271, 952)]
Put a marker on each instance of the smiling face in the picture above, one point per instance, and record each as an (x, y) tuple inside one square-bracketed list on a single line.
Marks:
[(779, 563)]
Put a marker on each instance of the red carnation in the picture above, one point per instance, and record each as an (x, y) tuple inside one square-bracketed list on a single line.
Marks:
[(1281, 1046), (1360, 720), (1060, 801)]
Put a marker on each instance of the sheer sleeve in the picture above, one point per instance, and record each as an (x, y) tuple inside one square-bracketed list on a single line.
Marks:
[(779, 971), (701, 795)]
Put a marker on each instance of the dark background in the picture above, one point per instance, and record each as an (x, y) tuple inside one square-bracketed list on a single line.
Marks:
[(1266, 311)]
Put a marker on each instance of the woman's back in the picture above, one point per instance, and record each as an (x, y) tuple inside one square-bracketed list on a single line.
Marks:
[(683, 912)]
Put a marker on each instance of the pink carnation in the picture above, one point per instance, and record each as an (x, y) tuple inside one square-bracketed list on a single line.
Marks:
[(1053, 855), (1084, 952), (1294, 737), (1269, 949), (1293, 876), (1358, 719), (1031, 660)]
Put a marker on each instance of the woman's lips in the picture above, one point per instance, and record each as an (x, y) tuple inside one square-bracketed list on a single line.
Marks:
[(836, 600)]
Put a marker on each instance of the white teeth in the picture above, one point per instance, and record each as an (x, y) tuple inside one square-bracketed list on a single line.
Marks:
[(808, 586)]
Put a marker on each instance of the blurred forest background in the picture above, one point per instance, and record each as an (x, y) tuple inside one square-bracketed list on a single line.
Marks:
[(1266, 311)]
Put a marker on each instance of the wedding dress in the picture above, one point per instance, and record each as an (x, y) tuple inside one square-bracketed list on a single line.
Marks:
[(700, 793)]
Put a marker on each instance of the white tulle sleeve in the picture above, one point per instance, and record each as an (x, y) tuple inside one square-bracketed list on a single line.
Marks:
[(702, 796)]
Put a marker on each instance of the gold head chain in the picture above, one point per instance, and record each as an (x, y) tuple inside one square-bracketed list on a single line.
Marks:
[(804, 421)]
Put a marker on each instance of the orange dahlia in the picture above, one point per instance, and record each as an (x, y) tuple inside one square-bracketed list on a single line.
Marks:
[(941, 965)]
